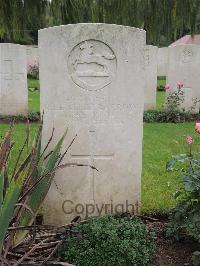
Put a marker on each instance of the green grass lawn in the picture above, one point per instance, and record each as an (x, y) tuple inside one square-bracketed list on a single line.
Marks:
[(160, 99), (33, 96), (34, 101), (160, 142), (33, 83)]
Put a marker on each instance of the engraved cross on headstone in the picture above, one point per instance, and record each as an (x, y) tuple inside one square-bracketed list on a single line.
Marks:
[(92, 157)]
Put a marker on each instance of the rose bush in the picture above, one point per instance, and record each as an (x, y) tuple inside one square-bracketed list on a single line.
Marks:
[(33, 71), (185, 217), (175, 97)]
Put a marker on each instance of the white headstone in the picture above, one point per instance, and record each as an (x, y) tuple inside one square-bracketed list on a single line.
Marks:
[(184, 65), (32, 55), (162, 61), (13, 80), (188, 101), (150, 77), (92, 81)]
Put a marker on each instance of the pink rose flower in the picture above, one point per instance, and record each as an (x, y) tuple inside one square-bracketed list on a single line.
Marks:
[(167, 86), (197, 128), (189, 140), (180, 84)]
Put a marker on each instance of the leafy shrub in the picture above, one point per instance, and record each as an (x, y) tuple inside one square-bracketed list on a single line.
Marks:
[(160, 88), (33, 71), (185, 217), (166, 116), (109, 241), (174, 99), (34, 116)]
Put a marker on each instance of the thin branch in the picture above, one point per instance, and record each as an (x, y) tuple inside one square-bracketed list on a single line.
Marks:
[(29, 252)]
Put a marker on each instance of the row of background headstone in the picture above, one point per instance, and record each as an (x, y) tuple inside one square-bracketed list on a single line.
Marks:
[(182, 63), (13, 79), (15, 62), (177, 63)]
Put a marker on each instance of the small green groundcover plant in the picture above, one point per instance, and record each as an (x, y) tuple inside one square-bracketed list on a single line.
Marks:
[(110, 241)]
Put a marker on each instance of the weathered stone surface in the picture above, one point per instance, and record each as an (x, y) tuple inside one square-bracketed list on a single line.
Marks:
[(92, 81), (13, 79), (150, 77), (162, 61), (184, 65), (188, 102)]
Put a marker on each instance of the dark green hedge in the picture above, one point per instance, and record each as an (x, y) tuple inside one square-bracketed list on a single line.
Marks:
[(151, 116), (167, 116)]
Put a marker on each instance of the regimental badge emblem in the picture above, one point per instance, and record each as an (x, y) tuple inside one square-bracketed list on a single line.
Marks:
[(92, 65), (187, 55)]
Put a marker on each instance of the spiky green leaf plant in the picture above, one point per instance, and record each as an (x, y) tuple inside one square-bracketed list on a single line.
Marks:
[(23, 190), (44, 169)]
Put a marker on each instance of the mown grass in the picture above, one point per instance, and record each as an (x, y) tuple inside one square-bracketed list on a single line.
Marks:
[(33, 83), (160, 99), (160, 142), (34, 101), (33, 96)]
